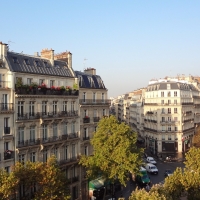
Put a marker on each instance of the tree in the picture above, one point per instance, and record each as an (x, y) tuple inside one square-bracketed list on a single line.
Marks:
[(115, 151), (40, 181)]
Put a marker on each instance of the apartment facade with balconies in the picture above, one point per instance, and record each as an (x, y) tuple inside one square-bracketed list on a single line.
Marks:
[(40, 108), (94, 104), (169, 116)]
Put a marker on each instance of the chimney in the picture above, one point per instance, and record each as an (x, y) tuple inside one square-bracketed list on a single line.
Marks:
[(90, 71), (69, 60), (3, 50), (49, 54)]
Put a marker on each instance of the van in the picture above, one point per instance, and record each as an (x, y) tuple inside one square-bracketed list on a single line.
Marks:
[(151, 168), (142, 178)]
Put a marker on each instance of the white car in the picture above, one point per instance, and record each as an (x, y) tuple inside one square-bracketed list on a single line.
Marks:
[(151, 168), (151, 160)]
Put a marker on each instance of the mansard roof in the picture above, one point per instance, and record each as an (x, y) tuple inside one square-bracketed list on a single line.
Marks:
[(89, 81), (37, 65)]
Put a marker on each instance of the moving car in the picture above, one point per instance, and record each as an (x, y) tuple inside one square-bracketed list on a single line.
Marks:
[(151, 168), (151, 160), (142, 179), (168, 172)]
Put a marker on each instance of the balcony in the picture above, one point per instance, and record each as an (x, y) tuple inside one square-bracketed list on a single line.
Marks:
[(6, 130), (68, 161), (86, 138), (4, 84), (150, 129), (96, 119), (6, 107), (94, 102), (8, 154), (187, 103), (28, 116), (86, 120), (44, 91)]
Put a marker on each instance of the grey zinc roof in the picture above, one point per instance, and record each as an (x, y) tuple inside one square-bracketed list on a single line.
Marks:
[(85, 81), (59, 69)]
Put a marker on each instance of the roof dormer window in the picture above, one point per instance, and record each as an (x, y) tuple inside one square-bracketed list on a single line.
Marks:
[(26, 61), (37, 63), (46, 64), (15, 60)]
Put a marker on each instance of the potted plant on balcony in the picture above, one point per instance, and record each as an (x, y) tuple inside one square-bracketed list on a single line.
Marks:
[(19, 85), (43, 88), (75, 89), (33, 87), (68, 89), (62, 89)]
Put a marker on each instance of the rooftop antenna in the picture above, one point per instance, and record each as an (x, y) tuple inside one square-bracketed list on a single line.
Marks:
[(9, 41), (84, 63)]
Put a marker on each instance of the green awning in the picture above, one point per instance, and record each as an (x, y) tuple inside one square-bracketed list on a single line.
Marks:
[(96, 184)]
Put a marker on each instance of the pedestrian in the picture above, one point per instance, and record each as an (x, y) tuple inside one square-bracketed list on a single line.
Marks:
[(147, 188)]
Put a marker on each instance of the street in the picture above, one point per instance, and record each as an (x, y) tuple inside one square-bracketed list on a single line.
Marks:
[(155, 179)]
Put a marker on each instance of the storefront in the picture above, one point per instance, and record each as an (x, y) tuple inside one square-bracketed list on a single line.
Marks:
[(169, 146)]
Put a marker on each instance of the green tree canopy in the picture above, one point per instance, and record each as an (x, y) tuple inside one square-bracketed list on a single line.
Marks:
[(115, 151), (46, 178)]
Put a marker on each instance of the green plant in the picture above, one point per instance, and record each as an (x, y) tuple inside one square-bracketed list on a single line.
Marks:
[(75, 86), (62, 87), (19, 83), (34, 84)]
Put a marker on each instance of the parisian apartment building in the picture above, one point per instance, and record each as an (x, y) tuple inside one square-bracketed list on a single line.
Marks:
[(165, 114), (48, 108)]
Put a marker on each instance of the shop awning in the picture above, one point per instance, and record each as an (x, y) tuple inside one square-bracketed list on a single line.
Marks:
[(96, 184)]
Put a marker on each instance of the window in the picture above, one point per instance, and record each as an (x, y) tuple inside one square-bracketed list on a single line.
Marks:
[(72, 106), (26, 61), (41, 81), (73, 127), (32, 134), (102, 97), (163, 137), (169, 101), (15, 60), (6, 125), (32, 157), (37, 63), (104, 112), (168, 87), (162, 94), (54, 107), (176, 128), (169, 137), (44, 108), (45, 155), (94, 96), (80, 81), (6, 146), (44, 132), (29, 81), (85, 132), (95, 112), (163, 110), (175, 93), (31, 108), (175, 110), (46, 64), (95, 128), (74, 192), (65, 106), (175, 101), (66, 152), (169, 119), (73, 150), (169, 110), (65, 129), (169, 128), (163, 128), (7, 169), (85, 113), (55, 152), (51, 83), (21, 158), (55, 130), (162, 101), (84, 96), (21, 134), (86, 150), (169, 94), (163, 119), (20, 108)]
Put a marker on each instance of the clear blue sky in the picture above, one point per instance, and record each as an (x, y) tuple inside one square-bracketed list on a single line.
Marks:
[(128, 42)]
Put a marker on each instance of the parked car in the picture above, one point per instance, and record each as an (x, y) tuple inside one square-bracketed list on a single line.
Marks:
[(151, 160), (168, 172), (151, 168), (142, 179)]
